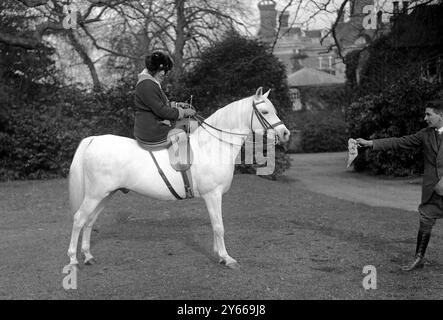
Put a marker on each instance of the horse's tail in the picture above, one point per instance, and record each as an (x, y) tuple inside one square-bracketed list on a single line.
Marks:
[(76, 176)]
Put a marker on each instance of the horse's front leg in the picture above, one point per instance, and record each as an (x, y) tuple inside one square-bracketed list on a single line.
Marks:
[(214, 204)]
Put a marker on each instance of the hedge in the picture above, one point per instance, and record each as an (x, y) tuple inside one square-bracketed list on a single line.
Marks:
[(39, 139)]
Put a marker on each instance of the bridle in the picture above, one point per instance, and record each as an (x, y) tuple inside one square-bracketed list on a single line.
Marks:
[(265, 123)]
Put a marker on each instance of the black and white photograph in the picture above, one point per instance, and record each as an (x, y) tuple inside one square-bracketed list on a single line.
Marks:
[(222, 155)]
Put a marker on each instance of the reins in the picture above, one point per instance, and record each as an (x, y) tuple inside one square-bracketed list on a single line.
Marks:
[(202, 121), (265, 124)]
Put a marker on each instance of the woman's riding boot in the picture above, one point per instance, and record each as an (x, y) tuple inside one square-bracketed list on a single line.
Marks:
[(422, 244)]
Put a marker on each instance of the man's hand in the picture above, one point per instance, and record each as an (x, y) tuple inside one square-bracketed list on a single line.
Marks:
[(364, 143)]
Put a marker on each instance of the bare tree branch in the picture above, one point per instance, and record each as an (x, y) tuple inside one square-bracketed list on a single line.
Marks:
[(20, 41), (33, 3), (340, 14), (98, 46)]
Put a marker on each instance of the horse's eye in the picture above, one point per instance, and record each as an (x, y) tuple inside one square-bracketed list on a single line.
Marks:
[(265, 112)]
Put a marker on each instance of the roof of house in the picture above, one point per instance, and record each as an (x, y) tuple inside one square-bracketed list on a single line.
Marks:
[(313, 77)]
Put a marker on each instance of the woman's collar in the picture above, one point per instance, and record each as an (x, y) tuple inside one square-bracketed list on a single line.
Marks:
[(147, 75)]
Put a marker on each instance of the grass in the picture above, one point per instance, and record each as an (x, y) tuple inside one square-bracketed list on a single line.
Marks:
[(290, 243)]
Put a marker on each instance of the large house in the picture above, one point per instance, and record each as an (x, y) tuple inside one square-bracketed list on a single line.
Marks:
[(311, 56), (298, 47)]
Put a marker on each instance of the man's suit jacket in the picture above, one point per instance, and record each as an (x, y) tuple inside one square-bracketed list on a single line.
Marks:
[(432, 154)]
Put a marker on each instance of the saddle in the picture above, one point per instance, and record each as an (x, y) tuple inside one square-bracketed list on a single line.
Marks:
[(180, 154)]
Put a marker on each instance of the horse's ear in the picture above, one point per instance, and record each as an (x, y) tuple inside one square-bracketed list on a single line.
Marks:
[(267, 94), (259, 92)]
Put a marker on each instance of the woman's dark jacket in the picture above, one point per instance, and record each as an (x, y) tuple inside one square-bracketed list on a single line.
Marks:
[(151, 109)]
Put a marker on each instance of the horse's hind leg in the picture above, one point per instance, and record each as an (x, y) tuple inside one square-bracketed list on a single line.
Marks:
[(82, 215), (86, 238)]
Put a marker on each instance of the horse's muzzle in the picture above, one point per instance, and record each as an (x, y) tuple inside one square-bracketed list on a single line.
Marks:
[(283, 136)]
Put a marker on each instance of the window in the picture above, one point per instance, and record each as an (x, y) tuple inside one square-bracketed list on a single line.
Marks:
[(431, 71), (294, 94)]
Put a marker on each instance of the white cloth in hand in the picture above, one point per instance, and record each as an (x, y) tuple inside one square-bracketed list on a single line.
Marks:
[(353, 152)]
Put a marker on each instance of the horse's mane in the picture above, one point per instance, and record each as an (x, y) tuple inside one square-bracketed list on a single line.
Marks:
[(231, 116)]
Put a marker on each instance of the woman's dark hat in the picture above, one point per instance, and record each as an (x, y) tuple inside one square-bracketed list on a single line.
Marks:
[(158, 61)]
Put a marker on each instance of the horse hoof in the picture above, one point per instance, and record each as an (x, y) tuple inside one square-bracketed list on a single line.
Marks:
[(73, 266), (233, 266), (90, 262)]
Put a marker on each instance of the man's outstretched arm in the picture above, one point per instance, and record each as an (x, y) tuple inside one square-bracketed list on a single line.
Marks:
[(412, 141)]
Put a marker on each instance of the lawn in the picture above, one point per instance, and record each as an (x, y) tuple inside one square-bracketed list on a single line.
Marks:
[(291, 244)]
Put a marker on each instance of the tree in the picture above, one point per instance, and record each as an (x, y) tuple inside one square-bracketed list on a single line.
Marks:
[(125, 30), (232, 69), (181, 27), (374, 16), (49, 17), (22, 69)]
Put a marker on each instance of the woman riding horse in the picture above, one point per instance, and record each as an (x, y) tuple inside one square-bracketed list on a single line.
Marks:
[(155, 116), (104, 164)]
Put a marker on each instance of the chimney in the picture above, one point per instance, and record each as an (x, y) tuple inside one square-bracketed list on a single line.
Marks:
[(395, 7), (268, 19)]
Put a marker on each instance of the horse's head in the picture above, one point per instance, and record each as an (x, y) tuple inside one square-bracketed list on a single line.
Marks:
[(264, 116)]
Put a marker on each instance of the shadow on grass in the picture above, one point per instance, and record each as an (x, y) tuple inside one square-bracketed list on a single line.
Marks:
[(182, 230)]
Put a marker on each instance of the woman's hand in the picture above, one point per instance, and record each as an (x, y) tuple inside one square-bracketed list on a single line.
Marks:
[(188, 112), (183, 105), (364, 143)]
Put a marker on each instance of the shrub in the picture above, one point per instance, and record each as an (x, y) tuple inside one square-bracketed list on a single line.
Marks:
[(396, 111), (321, 131), (282, 162), (231, 70)]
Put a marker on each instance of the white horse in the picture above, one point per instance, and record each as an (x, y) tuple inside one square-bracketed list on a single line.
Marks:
[(104, 164)]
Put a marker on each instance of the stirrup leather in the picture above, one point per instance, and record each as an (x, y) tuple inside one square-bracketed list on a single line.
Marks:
[(188, 189)]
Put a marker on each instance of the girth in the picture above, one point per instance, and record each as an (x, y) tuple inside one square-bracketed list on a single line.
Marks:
[(188, 189)]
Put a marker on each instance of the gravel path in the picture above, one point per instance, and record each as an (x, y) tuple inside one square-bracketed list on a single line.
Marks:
[(326, 173)]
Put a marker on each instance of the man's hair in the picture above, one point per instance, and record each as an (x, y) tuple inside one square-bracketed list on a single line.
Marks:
[(436, 105), (158, 61)]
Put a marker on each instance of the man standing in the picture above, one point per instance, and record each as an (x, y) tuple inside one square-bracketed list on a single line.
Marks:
[(429, 139)]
